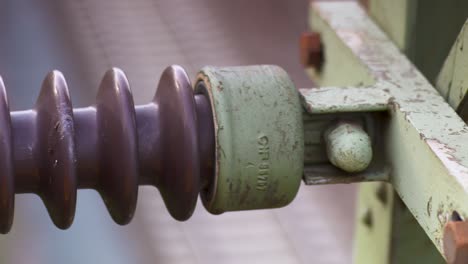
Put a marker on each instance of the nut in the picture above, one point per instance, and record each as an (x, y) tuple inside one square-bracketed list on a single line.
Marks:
[(311, 50), (456, 242)]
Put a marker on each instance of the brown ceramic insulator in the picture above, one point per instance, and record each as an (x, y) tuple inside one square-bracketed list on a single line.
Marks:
[(112, 147)]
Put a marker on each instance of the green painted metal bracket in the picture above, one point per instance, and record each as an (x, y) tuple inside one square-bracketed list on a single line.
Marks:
[(423, 29), (421, 136), (452, 81)]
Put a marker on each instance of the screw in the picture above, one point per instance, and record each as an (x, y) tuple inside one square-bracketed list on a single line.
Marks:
[(456, 242), (311, 50)]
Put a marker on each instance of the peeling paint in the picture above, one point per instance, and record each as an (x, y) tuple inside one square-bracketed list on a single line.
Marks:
[(451, 163)]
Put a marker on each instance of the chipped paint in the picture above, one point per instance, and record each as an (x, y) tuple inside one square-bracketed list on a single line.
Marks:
[(451, 163), (344, 99)]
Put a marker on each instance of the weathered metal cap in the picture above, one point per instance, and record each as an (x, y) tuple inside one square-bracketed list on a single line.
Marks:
[(259, 137)]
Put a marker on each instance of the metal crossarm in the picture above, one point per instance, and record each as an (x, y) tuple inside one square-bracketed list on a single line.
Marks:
[(424, 140)]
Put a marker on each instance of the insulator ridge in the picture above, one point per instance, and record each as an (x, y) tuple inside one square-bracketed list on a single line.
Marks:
[(113, 147)]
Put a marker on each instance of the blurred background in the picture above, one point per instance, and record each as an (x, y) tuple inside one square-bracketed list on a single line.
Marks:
[(85, 38)]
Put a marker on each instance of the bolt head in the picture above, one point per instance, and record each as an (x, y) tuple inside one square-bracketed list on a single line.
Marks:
[(311, 50), (456, 242)]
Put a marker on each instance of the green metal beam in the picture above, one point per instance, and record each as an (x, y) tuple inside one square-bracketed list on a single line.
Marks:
[(428, 159), (423, 29), (452, 81)]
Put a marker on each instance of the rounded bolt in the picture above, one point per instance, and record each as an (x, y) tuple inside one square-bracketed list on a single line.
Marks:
[(348, 147), (456, 242), (311, 50)]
